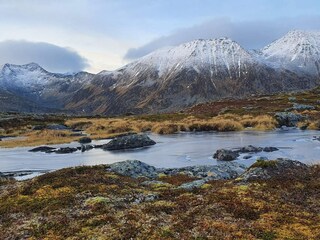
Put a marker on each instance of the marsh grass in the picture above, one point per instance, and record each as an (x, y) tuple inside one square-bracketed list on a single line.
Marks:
[(101, 128)]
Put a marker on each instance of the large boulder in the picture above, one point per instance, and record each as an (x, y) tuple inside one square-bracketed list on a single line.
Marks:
[(129, 142), (288, 119), (279, 168), (226, 155), (133, 168)]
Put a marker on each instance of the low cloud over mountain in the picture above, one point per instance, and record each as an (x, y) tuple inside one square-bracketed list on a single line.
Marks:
[(250, 34), (52, 57)]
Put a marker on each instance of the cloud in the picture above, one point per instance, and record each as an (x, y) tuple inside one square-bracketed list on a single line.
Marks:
[(49, 56), (249, 34)]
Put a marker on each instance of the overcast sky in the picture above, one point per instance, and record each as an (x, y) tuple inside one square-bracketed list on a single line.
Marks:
[(95, 35)]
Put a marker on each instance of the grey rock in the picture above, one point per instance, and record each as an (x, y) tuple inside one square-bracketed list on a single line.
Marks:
[(133, 168), (279, 168), (250, 149), (194, 184), (129, 142), (66, 150), (288, 119), (57, 127), (270, 149), (225, 155), (247, 157), (85, 148), (297, 106), (225, 170), (85, 140), (123, 135), (42, 149)]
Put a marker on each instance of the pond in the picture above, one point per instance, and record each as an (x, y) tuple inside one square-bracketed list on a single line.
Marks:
[(176, 150)]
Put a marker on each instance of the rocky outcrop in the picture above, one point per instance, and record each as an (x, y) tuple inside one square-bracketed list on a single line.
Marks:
[(279, 168), (129, 142), (133, 168), (288, 119)]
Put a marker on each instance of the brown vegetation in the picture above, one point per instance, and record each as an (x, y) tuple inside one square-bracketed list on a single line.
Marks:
[(91, 203)]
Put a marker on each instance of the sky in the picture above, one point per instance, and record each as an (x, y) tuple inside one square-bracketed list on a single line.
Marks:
[(96, 35)]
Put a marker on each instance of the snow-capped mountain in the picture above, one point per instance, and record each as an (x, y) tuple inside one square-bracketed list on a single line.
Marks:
[(176, 77), (298, 51), (172, 78), (33, 83)]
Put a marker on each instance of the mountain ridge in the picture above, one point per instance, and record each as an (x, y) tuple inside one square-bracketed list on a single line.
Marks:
[(173, 78)]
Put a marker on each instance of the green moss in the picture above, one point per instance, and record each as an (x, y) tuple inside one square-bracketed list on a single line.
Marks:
[(264, 163)]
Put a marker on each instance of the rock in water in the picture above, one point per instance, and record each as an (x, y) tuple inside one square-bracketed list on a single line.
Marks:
[(279, 168), (225, 155), (250, 149), (270, 149), (42, 149), (128, 142), (66, 150), (133, 168), (85, 140), (85, 148)]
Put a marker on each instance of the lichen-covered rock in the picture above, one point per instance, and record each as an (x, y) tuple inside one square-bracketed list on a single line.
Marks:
[(226, 170), (225, 155), (129, 142), (133, 168), (279, 168)]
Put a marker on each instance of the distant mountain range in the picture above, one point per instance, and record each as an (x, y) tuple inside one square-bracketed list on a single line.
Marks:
[(168, 79)]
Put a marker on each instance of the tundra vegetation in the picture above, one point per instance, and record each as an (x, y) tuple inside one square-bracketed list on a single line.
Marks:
[(91, 203)]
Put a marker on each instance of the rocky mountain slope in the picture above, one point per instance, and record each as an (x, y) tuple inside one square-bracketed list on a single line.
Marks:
[(173, 78), (30, 88), (298, 51)]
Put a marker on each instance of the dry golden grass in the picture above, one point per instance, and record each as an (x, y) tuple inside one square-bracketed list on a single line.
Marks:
[(34, 138), (100, 128)]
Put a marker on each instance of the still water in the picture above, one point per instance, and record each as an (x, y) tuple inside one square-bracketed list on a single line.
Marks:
[(176, 150)]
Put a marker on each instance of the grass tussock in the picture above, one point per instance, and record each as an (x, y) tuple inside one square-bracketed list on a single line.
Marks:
[(91, 203)]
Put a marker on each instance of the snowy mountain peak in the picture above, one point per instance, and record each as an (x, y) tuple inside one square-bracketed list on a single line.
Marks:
[(296, 51), (213, 54)]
